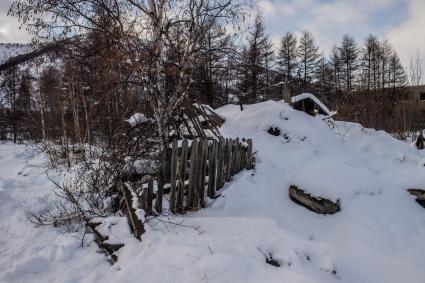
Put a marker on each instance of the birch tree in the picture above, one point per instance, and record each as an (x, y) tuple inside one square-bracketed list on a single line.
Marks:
[(144, 30)]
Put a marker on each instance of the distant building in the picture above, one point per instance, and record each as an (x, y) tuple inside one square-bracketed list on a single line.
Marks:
[(416, 93)]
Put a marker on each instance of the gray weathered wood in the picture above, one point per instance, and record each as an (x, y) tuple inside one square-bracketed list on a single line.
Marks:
[(192, 174), (161, 175), (239, 160), (235, 156), (202, 173), (212, 169), (134, 222), (317, 204), (173, 166), (149, 197), (249, 155), (181, 176), (229, 159), (220, 156)]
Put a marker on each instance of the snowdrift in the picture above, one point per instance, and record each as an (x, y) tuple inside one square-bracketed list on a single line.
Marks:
[(376, 237)]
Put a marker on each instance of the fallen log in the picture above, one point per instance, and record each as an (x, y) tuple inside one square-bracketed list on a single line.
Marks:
[(420, 196), (316, 204)]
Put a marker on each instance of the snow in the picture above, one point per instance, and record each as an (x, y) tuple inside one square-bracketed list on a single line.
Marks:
[(377, 236), (137, 119)]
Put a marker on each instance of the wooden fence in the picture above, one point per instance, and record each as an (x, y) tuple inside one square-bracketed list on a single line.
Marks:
[(191, 172)]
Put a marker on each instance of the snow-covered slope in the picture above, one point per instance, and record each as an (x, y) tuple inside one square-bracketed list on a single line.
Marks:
[(377, 236)]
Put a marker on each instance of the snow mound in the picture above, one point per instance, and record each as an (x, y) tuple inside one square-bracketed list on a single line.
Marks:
[(376, 237), (336, 163)]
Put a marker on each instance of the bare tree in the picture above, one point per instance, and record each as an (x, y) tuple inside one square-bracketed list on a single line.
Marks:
[(288, 59), (255, 60), (146, 32), (416, 69), (309, 55)]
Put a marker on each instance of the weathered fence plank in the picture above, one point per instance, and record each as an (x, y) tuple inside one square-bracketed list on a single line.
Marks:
[(229, 152), (249, 155), (161, 178), (181, 177), (220, 155), (202, 174), (173, 169), (192, 174), (212, 169), (135, 224), (218, 159), (149, 196)]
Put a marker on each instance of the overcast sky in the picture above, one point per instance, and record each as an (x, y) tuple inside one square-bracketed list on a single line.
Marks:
[(401, 21)]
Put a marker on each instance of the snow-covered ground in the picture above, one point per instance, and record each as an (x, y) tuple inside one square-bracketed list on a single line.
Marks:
[(377, 237)]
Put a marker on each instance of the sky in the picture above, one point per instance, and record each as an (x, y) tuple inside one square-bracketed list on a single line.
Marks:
[(400, 21)]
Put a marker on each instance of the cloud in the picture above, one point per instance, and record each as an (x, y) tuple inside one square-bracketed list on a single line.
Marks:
[(409, 36), (9, 26), (400, 21)]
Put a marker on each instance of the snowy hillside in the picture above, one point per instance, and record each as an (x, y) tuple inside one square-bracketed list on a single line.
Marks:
[(8, 50), (376, 237)]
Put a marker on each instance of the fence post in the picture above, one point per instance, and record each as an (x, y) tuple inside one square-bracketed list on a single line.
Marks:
[(173, 173), (182, 177), (235, 157), (229, 158), (192, 174), (249, 155), (220, 155), (212, 167), (149, 197), (203, 169), (161, 173)]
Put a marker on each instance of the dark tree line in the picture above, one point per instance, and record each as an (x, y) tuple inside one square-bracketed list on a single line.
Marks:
[(108, 73)]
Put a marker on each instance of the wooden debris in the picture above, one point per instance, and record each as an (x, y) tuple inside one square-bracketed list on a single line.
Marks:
[(316, 204), (100, 239), (419, 194), (135, 224)]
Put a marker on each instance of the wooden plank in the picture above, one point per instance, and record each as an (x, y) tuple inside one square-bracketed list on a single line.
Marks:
[(182, 176), (241, 157), (161, 175), (249, 155), (134, 222), (238, 157), (192, 174), (212, 167), (202, 173), (173, 169), (235, 156), (149, 197), (220, 159), (229, 159)]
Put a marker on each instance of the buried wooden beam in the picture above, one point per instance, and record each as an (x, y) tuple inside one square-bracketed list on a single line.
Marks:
[(315, 204), (135, 224), (420, 196)]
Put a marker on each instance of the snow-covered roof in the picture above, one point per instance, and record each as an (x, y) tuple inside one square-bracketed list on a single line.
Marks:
[(303, 96), (137, 119)]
